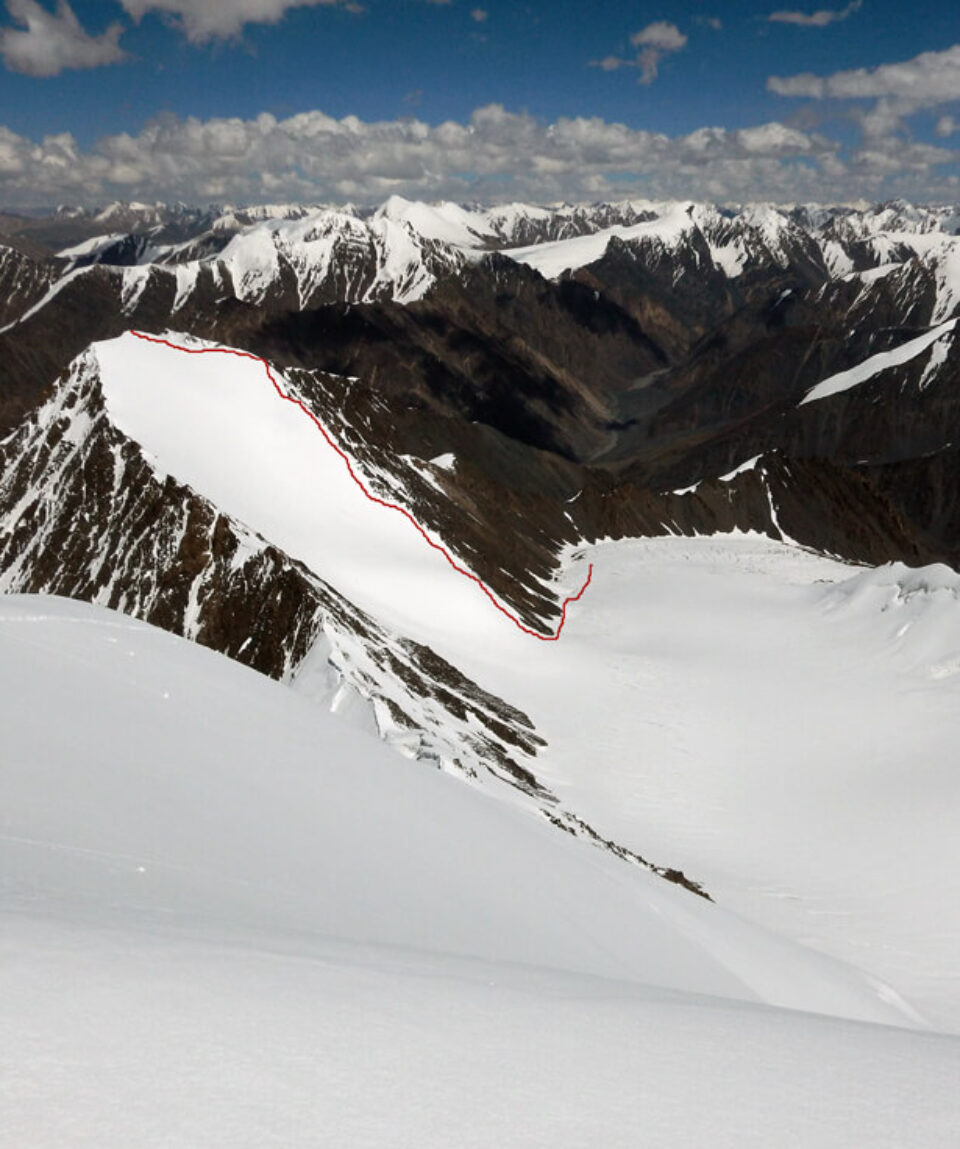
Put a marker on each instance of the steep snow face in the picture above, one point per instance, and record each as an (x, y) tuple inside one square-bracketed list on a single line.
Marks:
[(334, 254), (731, 244), (84, 514), (937, 339), (443, 222), (92, 247), (54, 289), (553, 259), (215, 422), (228, 920)]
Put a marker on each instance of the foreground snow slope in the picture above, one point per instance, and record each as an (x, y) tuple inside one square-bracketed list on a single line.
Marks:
[(228, 919), (115, 1037), (143, 772)]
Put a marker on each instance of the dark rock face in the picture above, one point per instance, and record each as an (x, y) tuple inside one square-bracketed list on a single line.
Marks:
[(24, 280)]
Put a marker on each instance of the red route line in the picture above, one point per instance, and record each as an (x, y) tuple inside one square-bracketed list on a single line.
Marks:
[(373, 498)]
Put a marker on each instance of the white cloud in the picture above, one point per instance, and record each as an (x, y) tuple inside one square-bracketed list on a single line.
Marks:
[(479, 15), (45, 43), (654, 42), (661, 34), (203, 20), (897, 92), (947, 125), (819, 19), (496, 155), (927, 80), (610, 63)]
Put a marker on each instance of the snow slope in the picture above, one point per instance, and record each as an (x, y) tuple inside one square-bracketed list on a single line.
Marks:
[(115, 1036), (214, 421), (176, 782), (553, 259), (780, 726), (759, 233), (228, 919), (884, 360)]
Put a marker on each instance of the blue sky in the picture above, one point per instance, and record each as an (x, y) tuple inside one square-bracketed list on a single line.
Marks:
[(805, 99)]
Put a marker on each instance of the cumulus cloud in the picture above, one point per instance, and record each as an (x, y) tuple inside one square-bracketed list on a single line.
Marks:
[(819, 19), (479, 15), (897, 91), (654, 42), (44, 43), (660, 34), (494, 156), (204, 20), (927, 80)]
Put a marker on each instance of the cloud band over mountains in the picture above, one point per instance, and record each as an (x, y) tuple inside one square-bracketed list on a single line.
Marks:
[(496, 156)]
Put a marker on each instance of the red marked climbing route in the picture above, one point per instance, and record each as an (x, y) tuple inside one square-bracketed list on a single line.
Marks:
[(345, 459)]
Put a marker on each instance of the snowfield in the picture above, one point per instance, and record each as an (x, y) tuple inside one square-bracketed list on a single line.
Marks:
[(781, 727), (231, 920), (175, 782)]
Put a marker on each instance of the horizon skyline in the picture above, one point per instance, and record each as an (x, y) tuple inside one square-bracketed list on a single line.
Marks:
[(363, 210)]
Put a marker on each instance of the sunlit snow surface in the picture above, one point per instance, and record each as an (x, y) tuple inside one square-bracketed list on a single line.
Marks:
[(780, 726), (228, 919)]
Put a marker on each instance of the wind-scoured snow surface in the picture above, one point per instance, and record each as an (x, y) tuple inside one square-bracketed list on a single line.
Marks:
[(230, 920)]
